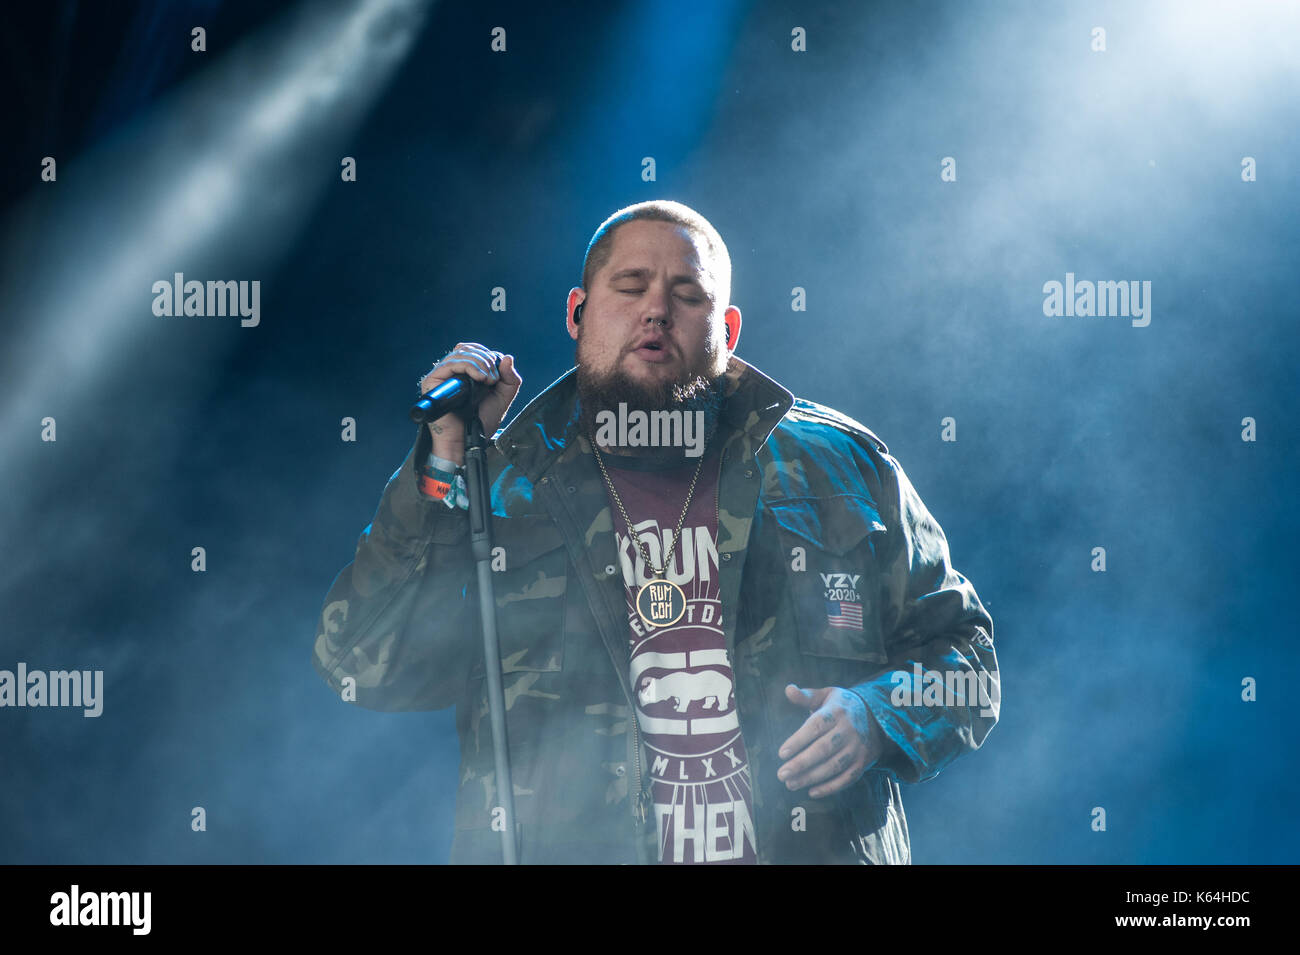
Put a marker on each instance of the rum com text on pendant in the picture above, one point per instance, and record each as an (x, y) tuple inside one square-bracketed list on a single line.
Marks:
[(661, 603)]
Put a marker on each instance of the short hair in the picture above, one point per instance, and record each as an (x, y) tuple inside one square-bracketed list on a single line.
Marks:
[(718, 260)]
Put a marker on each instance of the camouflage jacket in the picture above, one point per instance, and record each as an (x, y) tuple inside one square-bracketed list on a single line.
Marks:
[(803, 491)]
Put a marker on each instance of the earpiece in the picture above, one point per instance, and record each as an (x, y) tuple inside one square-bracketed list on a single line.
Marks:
[(577, 313)]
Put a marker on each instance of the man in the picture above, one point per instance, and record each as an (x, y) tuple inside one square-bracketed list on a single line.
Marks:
[(729, 627)]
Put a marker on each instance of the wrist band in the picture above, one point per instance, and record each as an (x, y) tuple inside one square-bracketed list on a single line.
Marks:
[(444, 481)]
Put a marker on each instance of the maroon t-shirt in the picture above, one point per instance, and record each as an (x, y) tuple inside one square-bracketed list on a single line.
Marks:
[(681, 675)]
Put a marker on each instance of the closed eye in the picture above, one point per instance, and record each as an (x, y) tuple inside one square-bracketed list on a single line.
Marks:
[(690, 300)]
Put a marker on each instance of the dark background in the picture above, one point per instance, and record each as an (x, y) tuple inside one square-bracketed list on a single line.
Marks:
[(479, 169)]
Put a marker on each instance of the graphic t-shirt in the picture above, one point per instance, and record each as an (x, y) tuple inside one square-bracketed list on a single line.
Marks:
[(681, 676)]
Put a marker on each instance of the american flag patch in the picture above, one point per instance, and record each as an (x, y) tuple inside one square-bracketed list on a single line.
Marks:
[(843, 614)]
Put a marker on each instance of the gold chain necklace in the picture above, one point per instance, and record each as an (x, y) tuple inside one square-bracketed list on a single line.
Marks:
[(660, 603)]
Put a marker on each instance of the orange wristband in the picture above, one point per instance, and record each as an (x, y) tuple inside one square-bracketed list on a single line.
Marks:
[(434, 488)]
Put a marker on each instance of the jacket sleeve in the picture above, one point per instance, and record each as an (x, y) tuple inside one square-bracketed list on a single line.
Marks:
[(396, 620), (939, 695)]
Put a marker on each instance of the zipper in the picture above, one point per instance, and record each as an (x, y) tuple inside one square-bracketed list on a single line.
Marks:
[(735, 628), (640, 804), (753, 783)]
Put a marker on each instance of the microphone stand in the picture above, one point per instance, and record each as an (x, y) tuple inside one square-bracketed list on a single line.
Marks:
[(480, 538)]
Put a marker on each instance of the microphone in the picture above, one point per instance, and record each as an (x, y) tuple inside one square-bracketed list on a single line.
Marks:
[(454, 394)]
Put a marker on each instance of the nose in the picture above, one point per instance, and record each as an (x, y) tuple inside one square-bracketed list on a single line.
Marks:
[(656, 307), (655, 316)]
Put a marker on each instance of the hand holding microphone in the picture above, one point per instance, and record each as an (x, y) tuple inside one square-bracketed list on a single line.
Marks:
[(499, 381)]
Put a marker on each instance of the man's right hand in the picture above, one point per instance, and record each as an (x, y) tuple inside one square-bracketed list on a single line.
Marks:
[(483, 365)]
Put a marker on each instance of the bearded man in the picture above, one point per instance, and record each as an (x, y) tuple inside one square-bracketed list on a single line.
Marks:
[(729, 627)]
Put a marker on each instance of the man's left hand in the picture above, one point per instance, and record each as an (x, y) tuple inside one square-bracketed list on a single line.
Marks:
[(835, 745)]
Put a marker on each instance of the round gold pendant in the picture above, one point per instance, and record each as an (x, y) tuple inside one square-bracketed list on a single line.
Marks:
[(660, 603)]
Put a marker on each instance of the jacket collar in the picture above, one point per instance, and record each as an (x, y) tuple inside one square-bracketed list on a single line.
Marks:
[(753, 403)]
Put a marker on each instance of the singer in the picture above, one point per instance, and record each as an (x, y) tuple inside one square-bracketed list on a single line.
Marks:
[(707, 658)]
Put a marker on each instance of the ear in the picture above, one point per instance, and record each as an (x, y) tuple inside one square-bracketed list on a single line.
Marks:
[(576, 297), (731, 318)]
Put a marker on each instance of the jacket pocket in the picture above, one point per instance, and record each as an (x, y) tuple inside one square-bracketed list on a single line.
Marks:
[(530, 584), (834, 580)]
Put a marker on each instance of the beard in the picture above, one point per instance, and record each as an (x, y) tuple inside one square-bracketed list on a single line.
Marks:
[(693, 391)]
